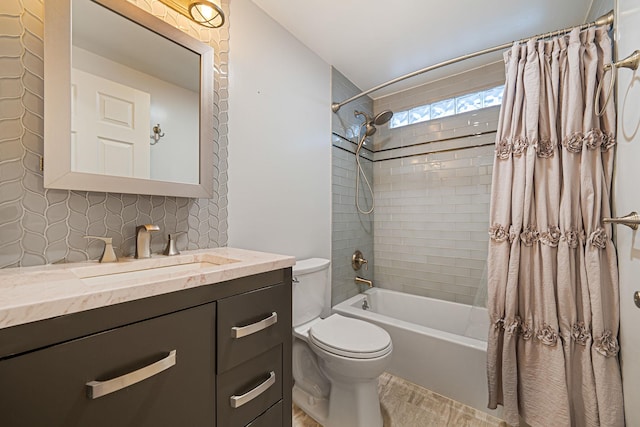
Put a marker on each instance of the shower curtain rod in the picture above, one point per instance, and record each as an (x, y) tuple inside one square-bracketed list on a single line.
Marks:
[(606, 19)]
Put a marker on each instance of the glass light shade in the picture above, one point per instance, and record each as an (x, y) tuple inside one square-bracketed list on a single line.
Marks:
[(206, 13)]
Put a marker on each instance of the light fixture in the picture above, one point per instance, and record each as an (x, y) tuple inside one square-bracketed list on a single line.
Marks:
[(207, 13)]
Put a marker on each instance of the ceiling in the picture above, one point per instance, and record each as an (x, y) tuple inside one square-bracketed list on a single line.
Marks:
[(373, 41)]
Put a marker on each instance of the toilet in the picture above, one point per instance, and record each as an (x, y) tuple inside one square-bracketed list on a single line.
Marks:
[(336, 360)]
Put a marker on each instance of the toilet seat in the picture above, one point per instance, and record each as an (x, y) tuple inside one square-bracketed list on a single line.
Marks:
[(350, 338)]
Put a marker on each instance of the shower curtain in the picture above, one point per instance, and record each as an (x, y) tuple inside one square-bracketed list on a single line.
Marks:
[(552, 270)]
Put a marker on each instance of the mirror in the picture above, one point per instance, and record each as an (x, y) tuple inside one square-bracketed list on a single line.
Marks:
[(128, 102)]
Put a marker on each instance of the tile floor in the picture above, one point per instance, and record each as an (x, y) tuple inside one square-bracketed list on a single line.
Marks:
[(405, 404)]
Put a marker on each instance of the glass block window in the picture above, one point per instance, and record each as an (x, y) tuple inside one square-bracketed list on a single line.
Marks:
[(469, 102), (401, 118), (448, 107), (493, 96), (420, 114), (443, 108)]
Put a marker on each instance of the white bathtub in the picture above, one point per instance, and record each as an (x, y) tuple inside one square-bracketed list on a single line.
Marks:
[(437, 344)]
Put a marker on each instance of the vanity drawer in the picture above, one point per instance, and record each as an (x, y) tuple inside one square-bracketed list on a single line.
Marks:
[(171, 357), (271, 418), (249, 389), (251, 323)]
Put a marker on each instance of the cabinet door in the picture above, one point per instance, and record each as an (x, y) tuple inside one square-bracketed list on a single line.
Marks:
[(49, 387)]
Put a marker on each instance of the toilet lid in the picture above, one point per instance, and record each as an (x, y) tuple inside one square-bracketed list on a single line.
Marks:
[(349, 337)]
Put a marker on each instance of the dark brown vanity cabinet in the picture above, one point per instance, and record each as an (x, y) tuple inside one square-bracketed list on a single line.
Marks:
[(155, 362), (54, 386)]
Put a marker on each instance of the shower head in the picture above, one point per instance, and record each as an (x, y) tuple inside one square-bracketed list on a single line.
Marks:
[(382, 117), (371, 123)]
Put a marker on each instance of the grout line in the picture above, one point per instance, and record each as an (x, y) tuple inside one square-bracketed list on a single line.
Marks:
[(444, 150), (438, 140)]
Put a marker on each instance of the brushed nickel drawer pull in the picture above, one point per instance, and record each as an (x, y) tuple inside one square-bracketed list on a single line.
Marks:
[(238, 401), (243, 331), (96, 389)]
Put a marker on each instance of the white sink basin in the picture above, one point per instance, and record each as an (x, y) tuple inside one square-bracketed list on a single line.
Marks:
[(151, 268), (146, 273)]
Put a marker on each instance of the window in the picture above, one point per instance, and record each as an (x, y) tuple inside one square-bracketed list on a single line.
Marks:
[(448, 107)]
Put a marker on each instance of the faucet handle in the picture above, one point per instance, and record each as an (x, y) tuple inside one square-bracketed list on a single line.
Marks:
[(171, 248), (108, 254), (357, 260)]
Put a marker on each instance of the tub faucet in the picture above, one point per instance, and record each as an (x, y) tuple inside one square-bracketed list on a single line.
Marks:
[(143, 240), (360, 280), (357, 261)]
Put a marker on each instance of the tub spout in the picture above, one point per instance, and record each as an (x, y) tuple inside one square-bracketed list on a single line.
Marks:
[(360, 280)]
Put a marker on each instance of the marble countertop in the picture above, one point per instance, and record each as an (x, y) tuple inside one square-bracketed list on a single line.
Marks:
[(28, 294)]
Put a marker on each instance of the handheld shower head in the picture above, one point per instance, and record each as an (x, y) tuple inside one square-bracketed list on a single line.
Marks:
[(371, 123), (370, 129)]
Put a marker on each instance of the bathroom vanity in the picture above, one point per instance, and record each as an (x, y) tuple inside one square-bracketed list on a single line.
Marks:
[(206, 343)]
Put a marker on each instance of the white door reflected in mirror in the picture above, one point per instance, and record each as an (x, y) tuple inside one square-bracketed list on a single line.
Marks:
[(108, 127)]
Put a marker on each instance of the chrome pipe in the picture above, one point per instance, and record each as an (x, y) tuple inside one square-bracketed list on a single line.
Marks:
[(606, 19)]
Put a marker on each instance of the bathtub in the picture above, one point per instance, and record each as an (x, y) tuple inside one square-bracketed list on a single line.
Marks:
[(439, 345)]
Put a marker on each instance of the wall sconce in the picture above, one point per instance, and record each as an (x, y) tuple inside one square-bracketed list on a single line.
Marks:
[(207, 13)]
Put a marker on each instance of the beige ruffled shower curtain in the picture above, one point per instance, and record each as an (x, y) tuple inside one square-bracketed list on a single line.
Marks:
[(552, 269)]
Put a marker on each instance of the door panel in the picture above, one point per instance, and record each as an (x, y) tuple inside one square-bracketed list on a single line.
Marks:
[(110, 127)]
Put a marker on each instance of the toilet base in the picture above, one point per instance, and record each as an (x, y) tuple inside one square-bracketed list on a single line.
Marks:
[(354, 404), (350, 404), (316, 408)]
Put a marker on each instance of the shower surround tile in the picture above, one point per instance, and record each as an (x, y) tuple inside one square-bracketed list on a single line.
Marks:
[(40, 226), (350, 230), (432, 185)]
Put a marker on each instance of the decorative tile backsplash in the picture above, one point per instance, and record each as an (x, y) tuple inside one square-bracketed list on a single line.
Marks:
[(40, 226)]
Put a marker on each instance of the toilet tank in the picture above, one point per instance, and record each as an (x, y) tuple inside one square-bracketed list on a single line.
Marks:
[(311, 290)]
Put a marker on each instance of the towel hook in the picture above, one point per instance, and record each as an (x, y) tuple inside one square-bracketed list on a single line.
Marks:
[(157, 134), (632, 61)]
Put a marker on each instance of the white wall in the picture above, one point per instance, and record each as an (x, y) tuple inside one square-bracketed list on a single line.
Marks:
[(627, 199), (279, 139)]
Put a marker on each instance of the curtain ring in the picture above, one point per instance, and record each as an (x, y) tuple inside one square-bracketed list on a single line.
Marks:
[(614, 70)]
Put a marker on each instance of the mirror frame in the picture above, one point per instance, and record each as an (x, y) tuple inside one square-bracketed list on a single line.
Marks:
[(57, 120)]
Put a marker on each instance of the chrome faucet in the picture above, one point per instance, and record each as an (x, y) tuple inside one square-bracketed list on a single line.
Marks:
[(143, 240), (364, 281)]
